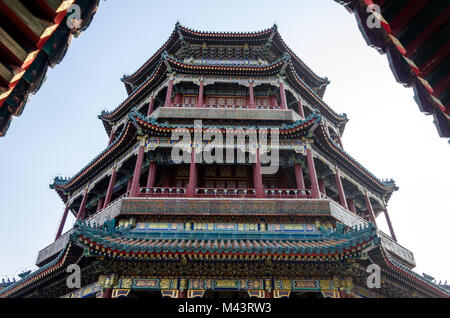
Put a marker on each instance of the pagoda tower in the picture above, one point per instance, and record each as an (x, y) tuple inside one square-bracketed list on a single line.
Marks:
[(150, 225)]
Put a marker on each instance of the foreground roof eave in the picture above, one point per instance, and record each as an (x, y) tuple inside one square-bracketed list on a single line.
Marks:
[(432, 98), (48, 54)]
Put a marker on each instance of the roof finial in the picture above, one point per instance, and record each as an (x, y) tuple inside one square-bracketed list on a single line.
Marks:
[(275, 26)]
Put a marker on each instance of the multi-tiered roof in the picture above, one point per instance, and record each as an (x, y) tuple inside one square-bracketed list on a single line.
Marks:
[(163, 230)]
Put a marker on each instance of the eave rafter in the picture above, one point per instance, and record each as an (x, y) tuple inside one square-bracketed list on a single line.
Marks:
[(414, 35), (33, 37)]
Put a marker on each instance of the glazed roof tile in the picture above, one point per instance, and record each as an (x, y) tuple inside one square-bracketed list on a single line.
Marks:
[(201, 36), (125, 240)]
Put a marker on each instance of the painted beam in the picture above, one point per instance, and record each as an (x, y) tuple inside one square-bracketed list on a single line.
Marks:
[(9, 77), (21, 57), (55, 9), (38, 30)]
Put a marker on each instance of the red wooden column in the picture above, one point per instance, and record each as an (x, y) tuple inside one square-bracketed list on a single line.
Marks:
[(268, 288), (299, 176), (312, 175), (283, 95), (251, 94), (343, 294), (151, 175), (193, 175), (130, 182), (82, 209), (183, 285), (391, 228), (137, 172), (168, 178), (257, 177), (178, 99), (200, 94), (273, 101), (339, 141), (100, 203), (63, 221), (369, 209), (168, 101), (321, 183), (268, 294), (107, 293), (182, 294), (342, 198), (111, 137), (109, 192), (351, 205), (300, 109), (151, 106)]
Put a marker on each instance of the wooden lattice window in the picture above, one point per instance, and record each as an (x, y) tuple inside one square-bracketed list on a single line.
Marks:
[(225, 101), (262, 102), (189, 100)]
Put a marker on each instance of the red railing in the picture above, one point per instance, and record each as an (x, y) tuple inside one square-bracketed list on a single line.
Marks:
[(184, 105), (225, 193), (224, 106), (162, 192), (267, 107), (288, 193)]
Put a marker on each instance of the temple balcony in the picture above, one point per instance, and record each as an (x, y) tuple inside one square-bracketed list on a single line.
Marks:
[(224, 106), (224, 193), (221, 112), (232, 202)]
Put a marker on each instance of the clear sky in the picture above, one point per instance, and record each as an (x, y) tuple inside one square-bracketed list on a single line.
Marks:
[(59, 132)]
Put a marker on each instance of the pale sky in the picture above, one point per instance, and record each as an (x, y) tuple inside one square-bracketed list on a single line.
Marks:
[(59, 132)]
